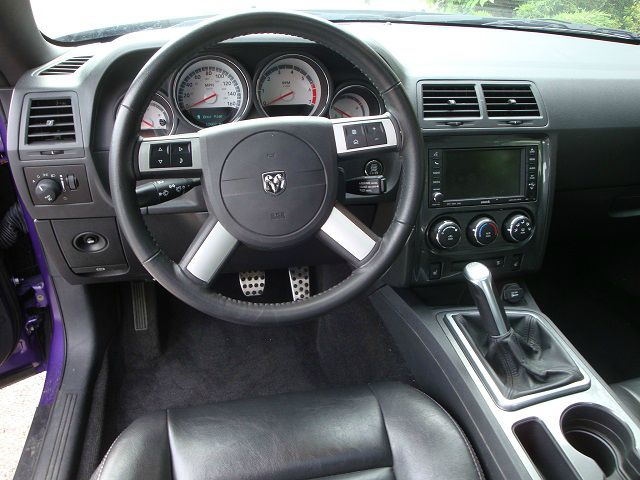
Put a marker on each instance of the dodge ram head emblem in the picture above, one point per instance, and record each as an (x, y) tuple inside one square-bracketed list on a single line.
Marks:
[(274, 182)]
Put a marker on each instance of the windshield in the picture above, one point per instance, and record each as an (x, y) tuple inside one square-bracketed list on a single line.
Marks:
[(78, 20)]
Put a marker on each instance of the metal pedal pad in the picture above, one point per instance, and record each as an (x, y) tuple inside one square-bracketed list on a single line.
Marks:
[(252, 282), (300, 283)]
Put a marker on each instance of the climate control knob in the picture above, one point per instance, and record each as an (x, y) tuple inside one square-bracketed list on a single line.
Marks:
[(518, 228), (48, 190), (445, 234), (482, 231)]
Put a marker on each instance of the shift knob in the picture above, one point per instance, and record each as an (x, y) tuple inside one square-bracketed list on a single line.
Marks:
[(492, 312)]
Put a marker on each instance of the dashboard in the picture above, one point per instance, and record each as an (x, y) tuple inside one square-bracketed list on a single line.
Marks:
[(564, 142)]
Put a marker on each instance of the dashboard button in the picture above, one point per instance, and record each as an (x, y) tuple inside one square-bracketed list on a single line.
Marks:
[(435, 271), (373, 167), (181, 155), (159, 155), (355, 137), (375, 134)]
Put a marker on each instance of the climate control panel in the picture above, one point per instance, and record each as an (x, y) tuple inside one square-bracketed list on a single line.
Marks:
[(481, 230)]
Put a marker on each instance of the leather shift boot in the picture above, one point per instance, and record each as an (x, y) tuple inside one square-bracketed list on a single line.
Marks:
[(523, 361)]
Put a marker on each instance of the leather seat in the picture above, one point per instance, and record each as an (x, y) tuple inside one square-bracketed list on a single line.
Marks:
[(376, 432), (629, 393)]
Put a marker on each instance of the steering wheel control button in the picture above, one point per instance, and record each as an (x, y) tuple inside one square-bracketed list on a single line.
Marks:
[(373, 168), (159, 156), (89, 242), (181, 155), (367, 185), (355, 137), (375, 134), (445, 234), (482, 231)]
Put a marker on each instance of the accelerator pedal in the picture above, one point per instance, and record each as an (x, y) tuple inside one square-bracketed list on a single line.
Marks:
[(300, 283), (252, 282)]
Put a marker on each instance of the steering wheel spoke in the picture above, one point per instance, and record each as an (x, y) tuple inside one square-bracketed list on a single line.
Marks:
[(170, 156), (365, 134), (207, 253), (348, 236)]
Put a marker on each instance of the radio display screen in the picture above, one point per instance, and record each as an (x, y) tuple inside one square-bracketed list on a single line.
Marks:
[(487, 173)]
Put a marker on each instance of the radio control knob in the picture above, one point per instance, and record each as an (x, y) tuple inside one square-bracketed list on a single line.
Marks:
[(437, 197), (518, 228), (48, 190), (482, 231), (445, 234)]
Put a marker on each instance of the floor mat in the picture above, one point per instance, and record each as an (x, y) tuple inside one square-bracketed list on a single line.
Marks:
[(204, 360), (595, 304)]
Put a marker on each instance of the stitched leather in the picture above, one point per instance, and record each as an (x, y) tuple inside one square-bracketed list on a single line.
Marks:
[(385, 432), (524, 360), (629, 393)]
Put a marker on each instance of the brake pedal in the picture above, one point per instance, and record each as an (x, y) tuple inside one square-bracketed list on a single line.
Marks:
[(252, 282), (300, 282)]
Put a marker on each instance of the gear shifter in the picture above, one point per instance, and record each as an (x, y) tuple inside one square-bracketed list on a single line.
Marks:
[(519, 352), (492, 315)]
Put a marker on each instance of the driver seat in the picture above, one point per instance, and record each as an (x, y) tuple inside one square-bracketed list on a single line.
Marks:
[(376, 432)]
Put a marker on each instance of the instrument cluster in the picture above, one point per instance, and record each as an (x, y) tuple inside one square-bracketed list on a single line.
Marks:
[(214, 89)]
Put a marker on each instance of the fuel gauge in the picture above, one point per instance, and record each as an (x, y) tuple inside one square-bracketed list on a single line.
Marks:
[(355, 100), (158, 119)]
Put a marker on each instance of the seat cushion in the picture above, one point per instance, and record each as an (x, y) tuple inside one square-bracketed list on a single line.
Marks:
[(377, 432), (629, 393)]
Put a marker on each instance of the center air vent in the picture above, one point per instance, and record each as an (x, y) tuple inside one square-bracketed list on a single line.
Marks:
[(510, 100), (66, 67), (50, 120), (449, 101)]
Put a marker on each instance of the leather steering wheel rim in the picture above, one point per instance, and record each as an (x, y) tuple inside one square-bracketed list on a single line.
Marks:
[(123, 174)]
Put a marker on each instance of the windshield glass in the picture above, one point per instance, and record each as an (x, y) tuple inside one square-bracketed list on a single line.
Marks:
[(77, 20)]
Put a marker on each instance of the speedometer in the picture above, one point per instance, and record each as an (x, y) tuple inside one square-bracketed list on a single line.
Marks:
[(212, 90), (292, 85)]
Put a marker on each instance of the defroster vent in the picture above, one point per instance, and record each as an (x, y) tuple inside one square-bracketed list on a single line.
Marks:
[(66, 67)]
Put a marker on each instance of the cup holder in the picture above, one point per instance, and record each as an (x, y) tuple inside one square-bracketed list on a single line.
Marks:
[(598, 434)]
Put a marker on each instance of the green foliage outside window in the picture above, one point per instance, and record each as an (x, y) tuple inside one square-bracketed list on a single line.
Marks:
[(623, 14)]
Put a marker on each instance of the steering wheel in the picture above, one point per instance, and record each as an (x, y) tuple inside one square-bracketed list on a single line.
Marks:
[(269, 183)]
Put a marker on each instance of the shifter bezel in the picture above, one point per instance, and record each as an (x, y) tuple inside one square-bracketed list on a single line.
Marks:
[(460, 340)]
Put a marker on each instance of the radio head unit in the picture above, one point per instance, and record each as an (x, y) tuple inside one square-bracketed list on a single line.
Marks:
[(483, 176)]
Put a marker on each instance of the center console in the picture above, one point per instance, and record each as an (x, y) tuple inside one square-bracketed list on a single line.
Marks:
[(487, 198), (532, 405)]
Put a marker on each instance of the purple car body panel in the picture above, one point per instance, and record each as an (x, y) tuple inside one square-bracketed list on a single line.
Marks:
[(29, 351)]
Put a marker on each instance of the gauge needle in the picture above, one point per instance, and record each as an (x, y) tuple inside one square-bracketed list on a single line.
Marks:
[(147, 123), (280, 97), (342, 112), (203, 100)]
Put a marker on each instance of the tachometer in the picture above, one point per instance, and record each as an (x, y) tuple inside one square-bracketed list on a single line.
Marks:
[(292, 85), (212, 90), (158, 118), (355, 100)]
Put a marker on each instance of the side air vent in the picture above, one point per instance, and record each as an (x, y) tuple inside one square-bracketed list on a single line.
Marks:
[(50, 120), (449, 101), (510, 100), (66, 67)]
